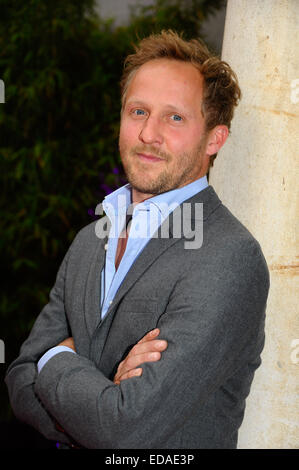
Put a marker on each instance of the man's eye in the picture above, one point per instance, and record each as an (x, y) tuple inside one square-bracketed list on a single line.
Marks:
[(176, 117), (138, 112)]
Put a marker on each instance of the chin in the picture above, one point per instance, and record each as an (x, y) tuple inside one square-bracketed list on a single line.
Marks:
[(145, 182), (142, 182), (146, 188)]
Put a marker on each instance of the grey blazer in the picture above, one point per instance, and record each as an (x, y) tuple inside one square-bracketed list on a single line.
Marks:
[(209, 304)]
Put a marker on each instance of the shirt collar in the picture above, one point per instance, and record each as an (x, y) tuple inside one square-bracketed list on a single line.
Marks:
[(117, 203), (167, 202)]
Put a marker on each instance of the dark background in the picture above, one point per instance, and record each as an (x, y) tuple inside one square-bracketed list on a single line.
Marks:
[(61, 65)]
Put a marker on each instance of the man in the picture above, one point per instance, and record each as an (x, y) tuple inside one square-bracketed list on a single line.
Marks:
[(148, 342)]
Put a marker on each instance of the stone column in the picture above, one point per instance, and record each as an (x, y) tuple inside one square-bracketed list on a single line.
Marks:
[(256, 175)]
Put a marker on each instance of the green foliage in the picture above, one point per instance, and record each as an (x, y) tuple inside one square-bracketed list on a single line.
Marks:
[(182, 16), (61, 66)]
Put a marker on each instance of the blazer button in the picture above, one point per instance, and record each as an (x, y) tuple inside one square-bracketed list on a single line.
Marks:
[(106, 246)]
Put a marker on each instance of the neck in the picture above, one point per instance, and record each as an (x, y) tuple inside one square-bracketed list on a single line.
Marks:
[(138, 197)]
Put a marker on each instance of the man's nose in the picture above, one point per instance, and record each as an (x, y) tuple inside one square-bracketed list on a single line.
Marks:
[(151, 132)]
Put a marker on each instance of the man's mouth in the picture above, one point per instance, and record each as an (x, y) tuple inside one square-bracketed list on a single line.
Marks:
[(147, 157)]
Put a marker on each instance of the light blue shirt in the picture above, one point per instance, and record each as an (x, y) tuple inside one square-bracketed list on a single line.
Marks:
[(147, 216)]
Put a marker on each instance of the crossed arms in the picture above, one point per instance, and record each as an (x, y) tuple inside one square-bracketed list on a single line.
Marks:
[(207, 339), (148, 349)]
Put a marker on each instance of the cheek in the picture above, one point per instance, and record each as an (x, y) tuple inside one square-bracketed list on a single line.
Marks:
[(177, 141), (184, 142), (128, 133), (122, 135)]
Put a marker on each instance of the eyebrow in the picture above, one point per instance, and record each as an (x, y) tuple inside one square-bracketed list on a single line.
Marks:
[(169, 107)]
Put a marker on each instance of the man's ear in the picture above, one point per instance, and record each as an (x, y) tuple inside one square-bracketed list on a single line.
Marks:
[(217, 138)]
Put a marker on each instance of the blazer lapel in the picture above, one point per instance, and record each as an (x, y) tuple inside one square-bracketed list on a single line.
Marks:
[(92, 299), (150, 253), (154, 248)]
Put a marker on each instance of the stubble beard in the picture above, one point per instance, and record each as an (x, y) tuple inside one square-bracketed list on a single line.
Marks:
[(166, 180)]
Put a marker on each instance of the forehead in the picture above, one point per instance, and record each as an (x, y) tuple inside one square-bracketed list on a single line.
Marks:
[(165, 80)]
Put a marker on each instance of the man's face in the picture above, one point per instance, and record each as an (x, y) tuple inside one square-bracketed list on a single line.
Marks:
[(162, 141)]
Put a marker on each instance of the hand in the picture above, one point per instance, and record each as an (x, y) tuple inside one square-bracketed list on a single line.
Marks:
[(69, 342), (148, 349)]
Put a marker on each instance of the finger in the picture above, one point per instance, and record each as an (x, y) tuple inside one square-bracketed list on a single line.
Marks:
[(128, 375), (150, 335), (149, 346), (135, 361), (131, 362)]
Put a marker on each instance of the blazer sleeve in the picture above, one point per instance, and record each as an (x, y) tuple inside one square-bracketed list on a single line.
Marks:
[(50, 328), (213, 324)]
